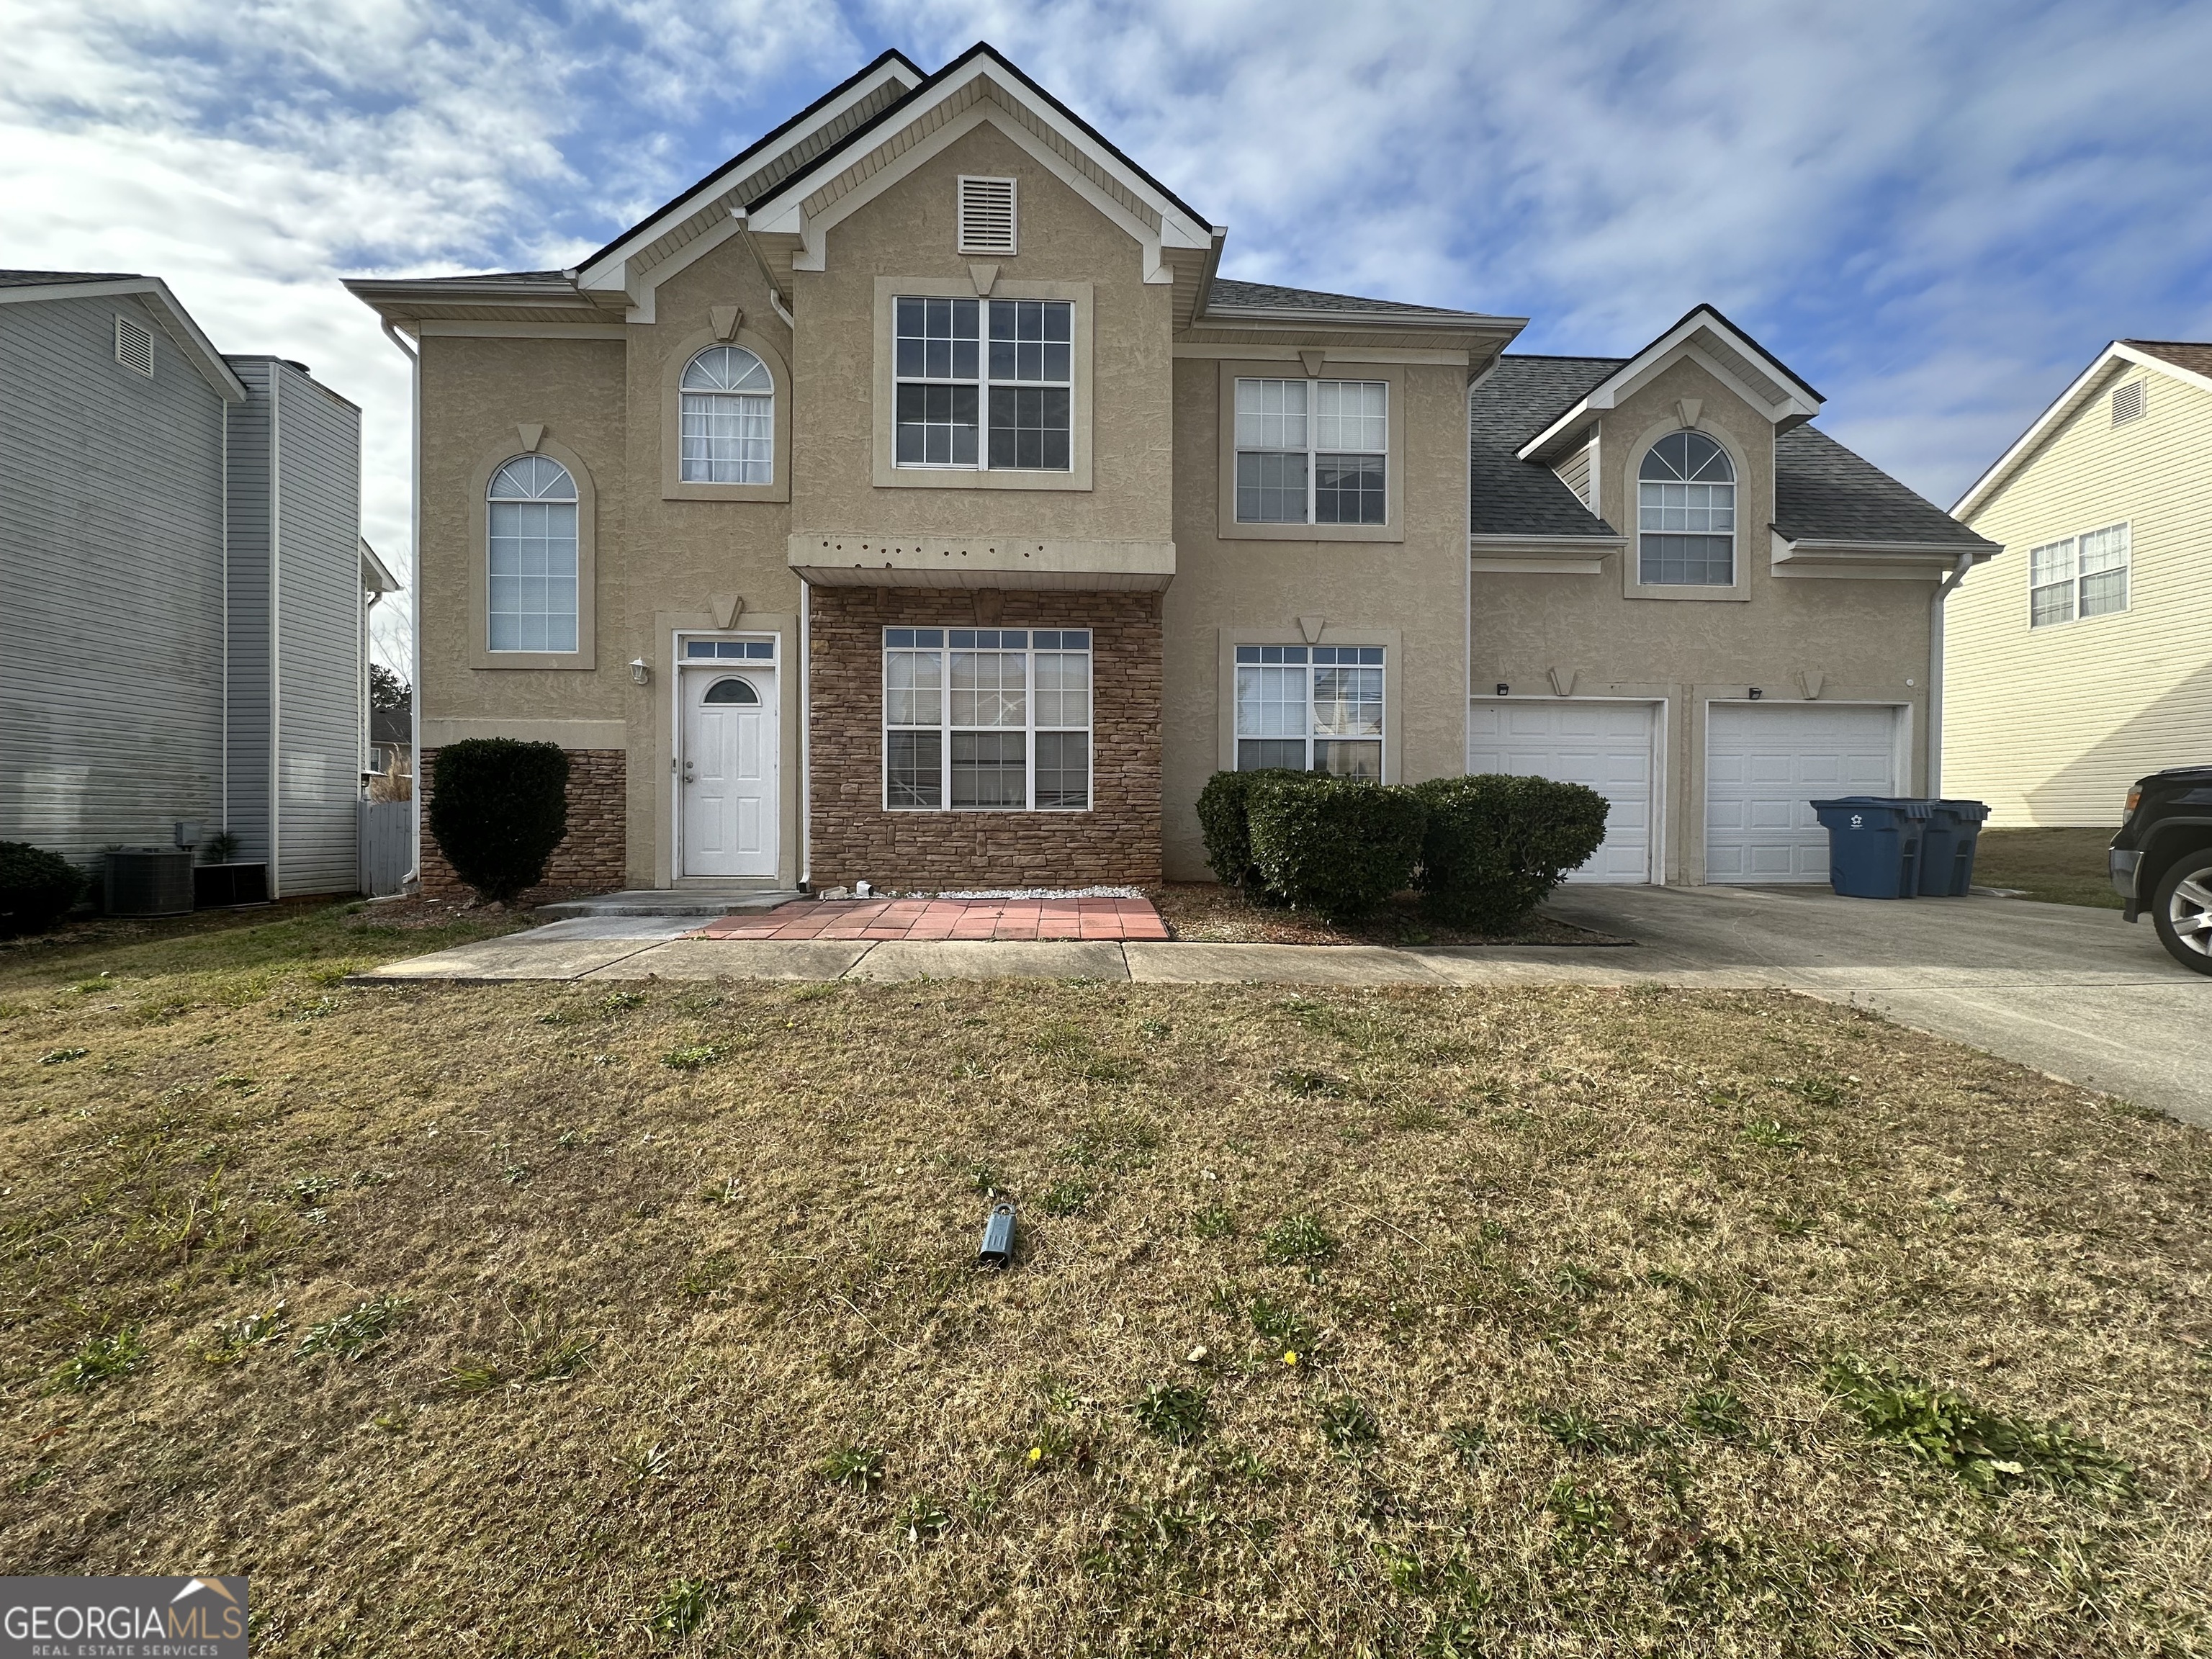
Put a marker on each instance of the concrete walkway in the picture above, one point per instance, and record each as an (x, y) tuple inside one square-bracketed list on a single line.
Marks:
[(2070, 990)]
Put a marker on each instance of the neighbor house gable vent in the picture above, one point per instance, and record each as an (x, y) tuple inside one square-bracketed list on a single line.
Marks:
[(2129, 402), (134, 345), (987, 215)]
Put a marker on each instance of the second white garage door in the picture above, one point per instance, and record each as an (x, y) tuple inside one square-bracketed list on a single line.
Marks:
[(1766, 764), (1606, 745)]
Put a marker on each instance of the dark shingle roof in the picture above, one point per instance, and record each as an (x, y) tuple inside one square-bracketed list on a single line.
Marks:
[(1823, 492), (1268, 296), (1518, 399), (42, 278), (2191, 355)]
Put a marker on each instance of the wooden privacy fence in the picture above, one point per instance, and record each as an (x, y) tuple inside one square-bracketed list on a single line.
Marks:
[(387, 845)]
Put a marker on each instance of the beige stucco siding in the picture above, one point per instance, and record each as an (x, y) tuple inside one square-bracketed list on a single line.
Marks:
[(2050, 725), (1409, 596), (1867, 640)]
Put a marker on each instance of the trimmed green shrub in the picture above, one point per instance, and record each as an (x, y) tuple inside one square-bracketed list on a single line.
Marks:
[(1338, 846), (498, 808), (1495, 845), (1223, 807), (37, 888)]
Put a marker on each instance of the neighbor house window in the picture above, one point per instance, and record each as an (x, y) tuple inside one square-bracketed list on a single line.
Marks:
[(2081, 576), (1311, 708), (984, 718), (532, 579), (984, 384), (1685, 513), (729, 418), (1312, 451)]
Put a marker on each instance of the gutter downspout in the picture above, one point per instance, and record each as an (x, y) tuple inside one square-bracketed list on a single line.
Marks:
[(414, 556), (806, 736), (775, 293), (1935, 671)]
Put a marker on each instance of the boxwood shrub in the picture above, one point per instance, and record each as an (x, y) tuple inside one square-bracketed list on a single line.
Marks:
[(1338, 846), (1494, 846), (1223, 807), (498, 808), (37, 888)]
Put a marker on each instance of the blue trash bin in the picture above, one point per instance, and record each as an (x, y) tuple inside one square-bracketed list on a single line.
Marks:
[(1947, 849), (1874, 844)]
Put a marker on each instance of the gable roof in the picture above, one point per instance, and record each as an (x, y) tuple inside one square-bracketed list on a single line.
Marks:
[(2187, 360), (1228, 301), (1823, 492), (28, 287), (1755, 373)]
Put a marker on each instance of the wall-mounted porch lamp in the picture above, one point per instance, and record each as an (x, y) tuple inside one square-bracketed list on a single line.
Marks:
[(640, 673)]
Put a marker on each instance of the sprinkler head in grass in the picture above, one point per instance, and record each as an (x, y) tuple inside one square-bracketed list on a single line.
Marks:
[(997, 1249)]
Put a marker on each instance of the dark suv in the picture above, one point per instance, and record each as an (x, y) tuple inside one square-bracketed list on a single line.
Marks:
[(2162, 861)]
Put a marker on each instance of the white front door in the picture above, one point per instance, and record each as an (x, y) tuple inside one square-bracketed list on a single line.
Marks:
[(1605, 746), (728, 771), (1767, 763)]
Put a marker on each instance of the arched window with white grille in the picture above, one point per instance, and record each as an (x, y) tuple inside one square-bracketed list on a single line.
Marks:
[(532, 542), (728, 418), (1685, 513)]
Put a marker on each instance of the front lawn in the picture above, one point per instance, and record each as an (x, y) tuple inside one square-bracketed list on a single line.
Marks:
[(597, 1319), (2054, 866)]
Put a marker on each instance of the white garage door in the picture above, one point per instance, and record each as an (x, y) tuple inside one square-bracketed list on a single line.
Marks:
[(1606, 745), (1766, 764)]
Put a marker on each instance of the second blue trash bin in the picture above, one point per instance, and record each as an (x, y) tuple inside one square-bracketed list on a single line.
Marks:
[(1947, 850), (1875, 844)]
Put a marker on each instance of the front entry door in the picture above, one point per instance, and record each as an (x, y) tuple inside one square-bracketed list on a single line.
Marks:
[(728, 769)]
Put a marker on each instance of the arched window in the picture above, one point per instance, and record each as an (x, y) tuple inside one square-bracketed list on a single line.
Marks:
[(729, 418), (1685, 513), (532, 502), (732, 691)]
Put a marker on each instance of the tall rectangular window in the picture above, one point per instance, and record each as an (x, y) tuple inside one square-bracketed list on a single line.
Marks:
[(1312, 451), (1000, 402), (2078, 577), (987, 718), (1312, 708)]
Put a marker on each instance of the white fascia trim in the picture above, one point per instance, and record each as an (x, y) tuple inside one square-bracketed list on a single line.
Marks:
[(176, 322), (1909, 561), (612, 271), (435, 327), (646, 287), (1305, 321), (1796, 399), (1482, 545), (375, 577), (2062, 409)]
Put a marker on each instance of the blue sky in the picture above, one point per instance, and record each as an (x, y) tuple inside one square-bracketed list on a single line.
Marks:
[(1935, 213)]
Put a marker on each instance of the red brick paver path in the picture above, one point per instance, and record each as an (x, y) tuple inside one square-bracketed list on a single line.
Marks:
[(937, 919)]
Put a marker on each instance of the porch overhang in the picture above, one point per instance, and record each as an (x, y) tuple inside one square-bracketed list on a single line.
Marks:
[(830, 558)]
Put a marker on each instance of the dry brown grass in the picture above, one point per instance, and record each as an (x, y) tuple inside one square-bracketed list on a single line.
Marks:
[(1591, 1252), (1210, 914)]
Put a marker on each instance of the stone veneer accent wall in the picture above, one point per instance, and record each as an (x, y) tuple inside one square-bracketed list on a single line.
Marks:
[(591, 856), (1117, 841)]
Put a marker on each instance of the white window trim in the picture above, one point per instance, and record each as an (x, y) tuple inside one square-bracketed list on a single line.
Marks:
[(1623, 477), (2073, 579), (1396, 457), (585, 657), (1312, 735), (674, 487), (715, 398), (1735, 488), (574, 503), (984, 385), (1029, 729), (1312, 450), (1395, 671)]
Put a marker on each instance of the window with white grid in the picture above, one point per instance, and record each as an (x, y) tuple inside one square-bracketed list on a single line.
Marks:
[(985, 384), (987, 718), (1685, 513), (1312, 708), (532, 546), (728, 414), (1312, 451), (2078, 577)]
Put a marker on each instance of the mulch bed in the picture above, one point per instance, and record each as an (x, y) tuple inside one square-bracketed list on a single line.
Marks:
[(1206, 913)]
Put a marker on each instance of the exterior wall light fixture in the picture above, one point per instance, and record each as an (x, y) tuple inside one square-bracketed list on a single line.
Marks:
[(1756, 694), (640, 673)]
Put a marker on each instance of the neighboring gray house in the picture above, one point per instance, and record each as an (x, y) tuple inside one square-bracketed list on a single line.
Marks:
[(182, 586)]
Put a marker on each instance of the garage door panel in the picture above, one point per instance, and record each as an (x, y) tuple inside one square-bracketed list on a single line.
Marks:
[(1605, 746), (1765, 766)]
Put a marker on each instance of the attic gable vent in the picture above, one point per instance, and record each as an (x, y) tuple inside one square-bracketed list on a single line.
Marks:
[(2129, 402), (987, 215), (134, 345)]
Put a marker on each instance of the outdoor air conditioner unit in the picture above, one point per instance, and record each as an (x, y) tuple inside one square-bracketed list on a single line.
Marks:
[(149, 881)]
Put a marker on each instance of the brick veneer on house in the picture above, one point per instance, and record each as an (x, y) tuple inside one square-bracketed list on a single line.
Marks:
[(591, 856), (1117, 841)]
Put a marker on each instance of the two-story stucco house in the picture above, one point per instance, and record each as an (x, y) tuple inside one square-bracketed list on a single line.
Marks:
[(183, 586), (911, 500), (2081, 660)]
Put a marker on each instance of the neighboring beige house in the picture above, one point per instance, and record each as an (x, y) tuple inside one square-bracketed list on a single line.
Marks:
[(2081, 659), (911, 500)]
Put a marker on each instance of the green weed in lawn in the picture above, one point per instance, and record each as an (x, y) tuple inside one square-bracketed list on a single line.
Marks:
[(62, 1056), (1470, 1440), (1217, 1221), (310, 1190), (1297, 1080), (858, 1466), (1068, 1197), (1346, 1422), (235, 1338), (353, 1333), (1989, 1450), (692, 1058), (1279, 1324), (1716, 1412), (1300, 1240), (925, 1519), (103, 1359), (1172, 1412), (1773, 1133), (683, 1607)]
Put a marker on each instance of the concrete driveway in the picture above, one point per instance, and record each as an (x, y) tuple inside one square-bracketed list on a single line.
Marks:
[(2073, 991)]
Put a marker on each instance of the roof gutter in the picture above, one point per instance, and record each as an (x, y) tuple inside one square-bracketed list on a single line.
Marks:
[(1935, 670)]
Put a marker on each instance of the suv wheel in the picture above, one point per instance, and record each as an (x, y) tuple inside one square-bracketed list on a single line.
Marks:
[(2181, 910)]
